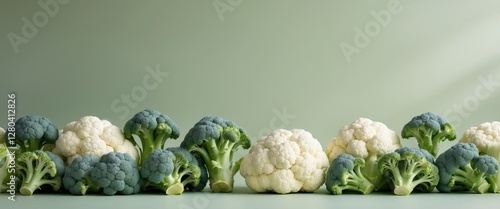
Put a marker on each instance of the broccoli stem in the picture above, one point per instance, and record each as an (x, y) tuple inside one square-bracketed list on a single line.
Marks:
[(494, 151), (170, 184), (175, 189), (26, 171), (356, 182), (222, 176), (32, 145), (151, 142), (29, 188), (402, 181), (88, 185), (147, 146), (218, 159), (408, 182), (466, 176), (424, 139), (35, 177)]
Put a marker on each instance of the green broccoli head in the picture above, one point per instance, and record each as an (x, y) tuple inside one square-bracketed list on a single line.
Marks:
[(153, 129), (461, 168), (409, 169), (215, 140), (344, 174), (39, 169), (172, 170), (33, 132), (116, 173), (430, 130), (76, 177)]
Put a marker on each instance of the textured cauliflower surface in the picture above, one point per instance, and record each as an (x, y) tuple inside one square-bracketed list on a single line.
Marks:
[(91, 136), (284, 162), (483, 135), (363, 138)]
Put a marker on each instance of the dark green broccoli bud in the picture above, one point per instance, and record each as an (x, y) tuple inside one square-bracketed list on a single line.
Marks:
[(33, 132), (116, 173), (430, 130), (344, 174), (76, 177), (153, 129), (215, 140), (173, 170), (409, 169), (462, 169), (39, 169)]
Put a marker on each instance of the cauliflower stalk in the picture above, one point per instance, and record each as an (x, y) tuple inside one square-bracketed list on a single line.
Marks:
[(285, 162), (91, 136), (365, 139), (486, 137)]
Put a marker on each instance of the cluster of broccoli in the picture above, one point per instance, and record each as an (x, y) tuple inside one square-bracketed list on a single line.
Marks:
[(463, 167), (94, 156), (35, 167), (205, 154)]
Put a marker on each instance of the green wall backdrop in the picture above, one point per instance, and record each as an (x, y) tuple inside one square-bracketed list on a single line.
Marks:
[(315, 65)]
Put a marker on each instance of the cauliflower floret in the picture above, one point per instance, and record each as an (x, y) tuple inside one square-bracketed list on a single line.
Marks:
[(284, 162), (483, 135), (363, 138), (91, 136)]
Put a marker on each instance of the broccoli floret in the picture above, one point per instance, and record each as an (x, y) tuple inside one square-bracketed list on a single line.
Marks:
[(344, 174), (172, 170), (215, 140), (6, 157), (409, 169), (153, 129), (430, 130), (39, 169), (116, 173), (190, 178), (76, 177), (461, 168), (34, 132)]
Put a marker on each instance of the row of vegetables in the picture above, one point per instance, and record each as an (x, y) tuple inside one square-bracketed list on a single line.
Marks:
[(91, 155)]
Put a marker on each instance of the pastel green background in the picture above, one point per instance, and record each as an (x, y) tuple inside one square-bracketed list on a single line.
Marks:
[(265, 65)]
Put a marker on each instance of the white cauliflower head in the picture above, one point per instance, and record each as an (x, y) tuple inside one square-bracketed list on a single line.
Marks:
[(483, 136), (284, 162), (91, 136), (363, 138)]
